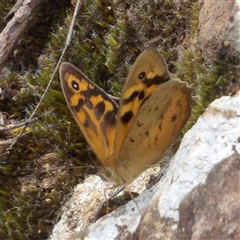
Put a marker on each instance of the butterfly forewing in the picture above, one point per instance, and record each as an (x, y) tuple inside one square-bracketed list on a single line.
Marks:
[(147, 74), (94, 111)]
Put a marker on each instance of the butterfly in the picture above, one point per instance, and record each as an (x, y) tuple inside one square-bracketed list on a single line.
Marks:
[(133, 135)]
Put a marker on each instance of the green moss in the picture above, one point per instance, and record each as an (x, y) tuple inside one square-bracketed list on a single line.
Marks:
[(209, 81), (194, 18)]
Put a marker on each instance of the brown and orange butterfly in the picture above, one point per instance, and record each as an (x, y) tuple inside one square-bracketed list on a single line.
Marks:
[(130, 137)]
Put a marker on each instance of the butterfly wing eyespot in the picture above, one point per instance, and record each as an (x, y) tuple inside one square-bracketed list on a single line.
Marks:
[(75, 85), (141, 75), (174, 118)]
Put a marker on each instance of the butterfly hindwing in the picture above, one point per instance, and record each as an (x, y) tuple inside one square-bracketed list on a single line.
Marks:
[(156, 125), (94, 111)]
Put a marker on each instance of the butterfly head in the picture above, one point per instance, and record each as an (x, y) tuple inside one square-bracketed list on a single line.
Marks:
[(109, 175)]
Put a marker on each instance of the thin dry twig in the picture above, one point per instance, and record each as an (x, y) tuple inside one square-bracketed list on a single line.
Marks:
[(68, 41), (18, 125)]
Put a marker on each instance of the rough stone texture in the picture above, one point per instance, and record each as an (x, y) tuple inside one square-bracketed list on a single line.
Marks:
[(80, 209), (200, 172), (214, 138), (212, 210), (152, 222), (219, 27)]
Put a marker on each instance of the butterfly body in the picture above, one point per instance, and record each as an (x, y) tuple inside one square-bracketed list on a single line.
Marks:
[(130, 137)]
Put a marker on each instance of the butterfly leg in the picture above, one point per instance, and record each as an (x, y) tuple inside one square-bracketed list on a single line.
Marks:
[(100, 207)]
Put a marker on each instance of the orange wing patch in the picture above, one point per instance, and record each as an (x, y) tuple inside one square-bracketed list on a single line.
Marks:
[(93, 110)]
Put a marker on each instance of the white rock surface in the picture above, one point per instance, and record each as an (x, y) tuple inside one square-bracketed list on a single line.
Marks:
[(80, 209)]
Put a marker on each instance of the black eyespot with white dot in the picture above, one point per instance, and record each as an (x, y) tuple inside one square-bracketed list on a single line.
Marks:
[(141, 75), (174, 118), (75, 85)]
